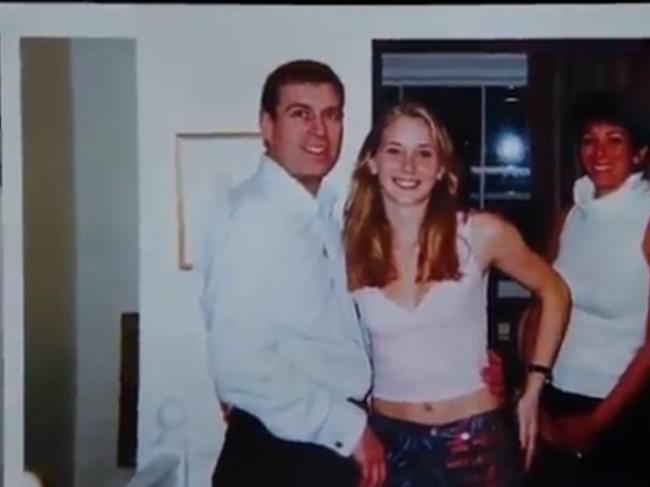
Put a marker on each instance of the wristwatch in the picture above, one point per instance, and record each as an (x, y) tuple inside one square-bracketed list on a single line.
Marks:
[(541, 369)]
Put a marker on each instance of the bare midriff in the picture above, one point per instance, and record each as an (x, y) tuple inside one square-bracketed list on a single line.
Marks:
[(438, 412)]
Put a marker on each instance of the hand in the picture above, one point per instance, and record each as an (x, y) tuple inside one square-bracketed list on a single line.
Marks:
[(492, 375), (369, 455), (527, 415), (576, 433)]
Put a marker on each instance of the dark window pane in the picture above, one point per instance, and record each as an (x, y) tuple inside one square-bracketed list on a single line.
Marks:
[(519, 213), (498, 187), (387, 96), (508, 186), (472, 195), (505, 130)]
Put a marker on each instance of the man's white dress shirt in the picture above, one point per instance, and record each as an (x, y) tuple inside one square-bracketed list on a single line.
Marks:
[(284, 340)]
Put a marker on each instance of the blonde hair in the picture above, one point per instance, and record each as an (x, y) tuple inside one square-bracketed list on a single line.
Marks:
[(367, 233)]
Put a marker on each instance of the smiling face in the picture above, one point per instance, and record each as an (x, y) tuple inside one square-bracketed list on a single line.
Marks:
[(407, 163), (404, 193), (608, 155), (305, 132)]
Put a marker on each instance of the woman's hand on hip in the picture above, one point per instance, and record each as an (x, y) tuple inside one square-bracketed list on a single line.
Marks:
[(527, 416)]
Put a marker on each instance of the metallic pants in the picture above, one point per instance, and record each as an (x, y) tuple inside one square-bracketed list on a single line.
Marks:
[(478, 451)]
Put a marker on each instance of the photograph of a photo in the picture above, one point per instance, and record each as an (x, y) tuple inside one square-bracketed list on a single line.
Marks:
[(352, 245)]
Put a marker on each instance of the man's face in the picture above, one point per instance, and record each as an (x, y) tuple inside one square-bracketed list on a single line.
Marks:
[(305, 134)]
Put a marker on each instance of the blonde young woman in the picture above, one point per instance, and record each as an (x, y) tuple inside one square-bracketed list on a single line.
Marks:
[(418, 269)]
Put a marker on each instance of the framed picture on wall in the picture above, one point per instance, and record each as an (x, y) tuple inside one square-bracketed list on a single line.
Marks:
[(207, 165)]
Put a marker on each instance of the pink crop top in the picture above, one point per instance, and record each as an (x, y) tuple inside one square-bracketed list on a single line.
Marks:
[(437, 350)]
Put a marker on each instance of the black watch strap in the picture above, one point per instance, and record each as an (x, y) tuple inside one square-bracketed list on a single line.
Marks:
[(541, 369)]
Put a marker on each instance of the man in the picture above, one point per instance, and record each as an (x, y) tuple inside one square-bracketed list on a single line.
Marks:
[(286, 350)]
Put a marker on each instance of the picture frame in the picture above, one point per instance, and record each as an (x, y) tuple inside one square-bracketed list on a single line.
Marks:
[(206, 165)]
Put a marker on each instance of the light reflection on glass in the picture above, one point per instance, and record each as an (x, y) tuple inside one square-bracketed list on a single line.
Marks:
[(510, 148)]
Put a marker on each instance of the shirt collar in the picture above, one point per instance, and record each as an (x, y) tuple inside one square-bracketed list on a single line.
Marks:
[(584, 191), (293, 196)]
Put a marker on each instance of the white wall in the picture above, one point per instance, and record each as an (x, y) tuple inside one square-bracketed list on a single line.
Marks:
[(102, 74), (201, 68)]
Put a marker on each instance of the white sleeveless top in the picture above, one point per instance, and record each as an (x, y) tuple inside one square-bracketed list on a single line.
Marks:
[(437, 350), (601, 259)]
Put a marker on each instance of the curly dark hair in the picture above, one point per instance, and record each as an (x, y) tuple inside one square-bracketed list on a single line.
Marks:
[(615, 107)]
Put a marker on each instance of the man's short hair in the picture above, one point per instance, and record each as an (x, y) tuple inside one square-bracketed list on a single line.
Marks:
[(300, 71)]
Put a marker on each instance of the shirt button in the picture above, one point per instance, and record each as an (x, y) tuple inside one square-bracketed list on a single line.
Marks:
[(338, 444), (325, 254)]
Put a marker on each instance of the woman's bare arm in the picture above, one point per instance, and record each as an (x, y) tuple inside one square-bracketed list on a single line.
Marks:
[(502, 246), (529, 322)]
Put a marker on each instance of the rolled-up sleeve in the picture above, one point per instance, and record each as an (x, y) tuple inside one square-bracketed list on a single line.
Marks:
[(243, 349)]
